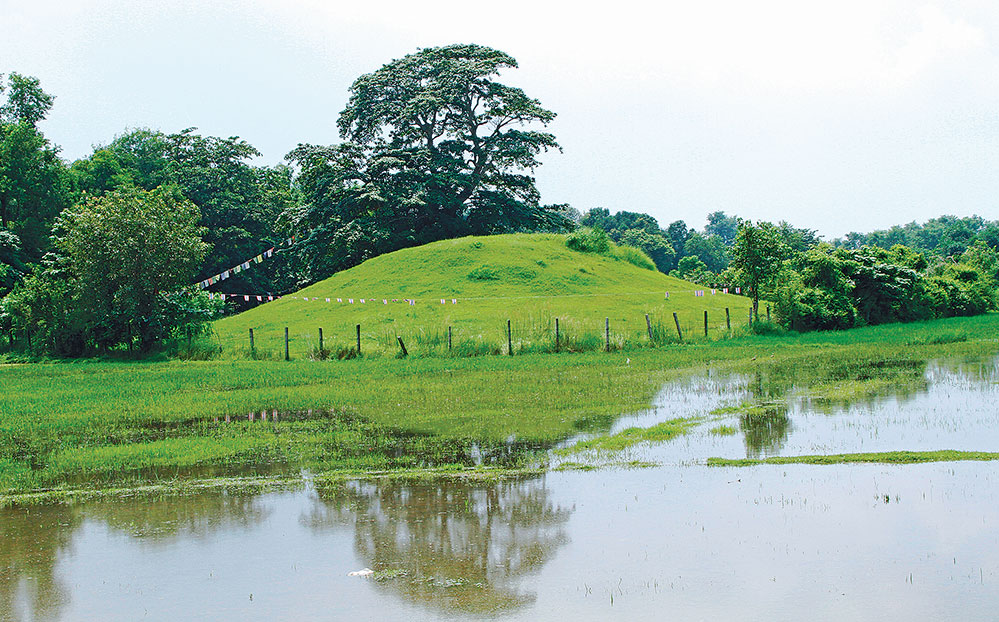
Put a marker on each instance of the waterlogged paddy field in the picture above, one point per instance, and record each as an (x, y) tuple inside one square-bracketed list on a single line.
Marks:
[(674, 538), (851, 542)]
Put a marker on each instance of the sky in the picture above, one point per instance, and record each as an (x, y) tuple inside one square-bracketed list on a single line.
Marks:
[(834, 116)]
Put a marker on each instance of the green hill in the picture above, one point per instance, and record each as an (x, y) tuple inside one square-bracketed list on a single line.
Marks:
[(529, 279)]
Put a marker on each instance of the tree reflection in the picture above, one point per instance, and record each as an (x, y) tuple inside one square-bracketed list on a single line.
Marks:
[(34, 539), (31, 541), (185, 516), (453, 544), (765, 429)]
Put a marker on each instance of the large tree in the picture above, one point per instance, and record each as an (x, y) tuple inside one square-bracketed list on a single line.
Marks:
[(113, 279), (757, 256), (435, 147), (33, 180)]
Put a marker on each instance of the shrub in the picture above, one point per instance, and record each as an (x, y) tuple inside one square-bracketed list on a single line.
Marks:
[(635, 257), (589, 240)]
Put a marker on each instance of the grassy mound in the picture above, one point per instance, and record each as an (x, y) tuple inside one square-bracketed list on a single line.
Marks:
[(529, 279)]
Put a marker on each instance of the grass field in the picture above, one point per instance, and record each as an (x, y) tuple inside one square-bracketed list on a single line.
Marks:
[(529, 279), (88, 424)]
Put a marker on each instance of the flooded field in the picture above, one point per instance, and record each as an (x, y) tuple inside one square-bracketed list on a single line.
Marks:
[(677, 541)]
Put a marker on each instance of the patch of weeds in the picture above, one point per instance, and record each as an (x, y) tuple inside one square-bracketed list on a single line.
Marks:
[(724, 430), (664, 431), (887, 457), (389, 575), (576, 466), (345, 353), (483, 273)]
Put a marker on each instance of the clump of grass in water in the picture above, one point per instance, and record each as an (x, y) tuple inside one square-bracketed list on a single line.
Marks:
[(664, 431), (724, 430), (888, 457)]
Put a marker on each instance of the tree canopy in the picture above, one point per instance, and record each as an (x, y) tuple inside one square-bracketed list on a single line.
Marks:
[(435, 147)]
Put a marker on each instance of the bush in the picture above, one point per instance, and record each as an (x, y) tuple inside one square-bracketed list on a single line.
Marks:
[(589, 240), (635, 257)]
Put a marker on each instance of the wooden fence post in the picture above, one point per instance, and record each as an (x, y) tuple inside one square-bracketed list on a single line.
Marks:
[(556, 335), (286, 357), (358, 339), (509, 339), (320, 342), (676, 321), (402, 346), (448, 338), (705, 323), (607, 334), (648, 325), (728, 320), (768, 313), (253, 349)]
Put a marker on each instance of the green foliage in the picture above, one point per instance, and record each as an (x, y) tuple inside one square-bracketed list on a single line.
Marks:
[(635, 257), (589, 240), (483, 273), (841, 288), (244, 208), (692, 269), (120, 257), (757, 256), (34, 184)]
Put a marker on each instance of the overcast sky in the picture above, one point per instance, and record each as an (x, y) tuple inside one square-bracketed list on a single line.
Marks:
[(836, 116)]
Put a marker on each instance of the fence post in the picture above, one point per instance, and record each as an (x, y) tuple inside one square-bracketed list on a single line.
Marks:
[(768, 313), (556, 335), (607, 334), (448, 338), (509, 339), (253, 349), (402, 346), (358, 339), (286, 357), (320, 343), (648, 325), (676, 321), (728, 320), (705, 323)]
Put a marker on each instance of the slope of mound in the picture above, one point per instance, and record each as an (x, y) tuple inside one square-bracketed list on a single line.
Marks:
[(529, 279)]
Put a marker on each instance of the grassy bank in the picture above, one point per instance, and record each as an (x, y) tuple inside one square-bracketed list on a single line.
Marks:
[(529, 279), (113, 424)]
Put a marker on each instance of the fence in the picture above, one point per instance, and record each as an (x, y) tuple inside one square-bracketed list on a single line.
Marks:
[(556, 334)]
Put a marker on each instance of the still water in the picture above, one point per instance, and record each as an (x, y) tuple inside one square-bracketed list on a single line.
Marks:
[(679, 541)]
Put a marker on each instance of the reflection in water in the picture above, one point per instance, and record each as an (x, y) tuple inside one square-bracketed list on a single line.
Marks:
[(166, 519), (31, 541), (765, 429), (34, 539), (454, 544)]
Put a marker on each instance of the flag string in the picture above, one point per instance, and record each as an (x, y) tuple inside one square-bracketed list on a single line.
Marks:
[(448, 300), (225, 274)]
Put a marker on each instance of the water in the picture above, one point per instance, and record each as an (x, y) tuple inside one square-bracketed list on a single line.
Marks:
[(681, 541)]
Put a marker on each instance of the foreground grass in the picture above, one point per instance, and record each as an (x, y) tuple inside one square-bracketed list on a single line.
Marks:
[(887, 457), (84, 425)]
